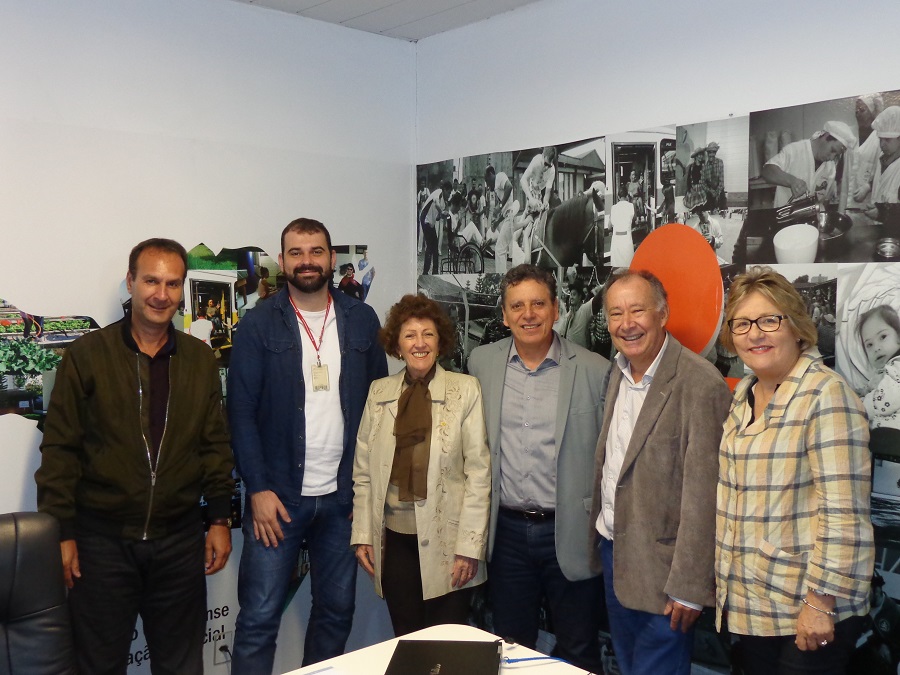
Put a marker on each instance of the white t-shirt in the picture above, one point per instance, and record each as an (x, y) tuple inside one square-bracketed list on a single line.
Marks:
[(324, 419), (202, 330)]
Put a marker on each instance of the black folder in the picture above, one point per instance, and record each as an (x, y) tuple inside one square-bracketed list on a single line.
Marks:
[(445, 657)]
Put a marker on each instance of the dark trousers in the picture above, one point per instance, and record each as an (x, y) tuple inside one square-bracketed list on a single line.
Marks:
[(524, 567), (431, 248), (162, 580), (780, 656), (401, 583)]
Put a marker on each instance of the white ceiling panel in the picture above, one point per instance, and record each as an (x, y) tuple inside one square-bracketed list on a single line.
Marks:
[(454, 17), (401, 13), (340, 11), (405, 19), (292, 6)]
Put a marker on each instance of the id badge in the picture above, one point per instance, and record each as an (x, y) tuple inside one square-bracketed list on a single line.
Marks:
[(320, 378)]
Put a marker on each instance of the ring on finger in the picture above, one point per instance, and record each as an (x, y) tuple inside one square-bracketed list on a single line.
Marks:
[(823, 643)]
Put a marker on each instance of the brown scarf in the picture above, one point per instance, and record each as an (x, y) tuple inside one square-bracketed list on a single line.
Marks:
[(412, 429)]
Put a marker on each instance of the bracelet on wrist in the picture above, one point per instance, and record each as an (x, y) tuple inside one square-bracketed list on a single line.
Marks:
[(819, 609)]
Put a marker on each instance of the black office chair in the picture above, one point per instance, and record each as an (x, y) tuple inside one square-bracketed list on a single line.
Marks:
[(35, 633)]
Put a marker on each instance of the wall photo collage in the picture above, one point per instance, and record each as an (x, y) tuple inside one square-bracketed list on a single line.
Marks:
[(811, 190)]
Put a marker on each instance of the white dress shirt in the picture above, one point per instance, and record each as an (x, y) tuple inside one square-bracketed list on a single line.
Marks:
[(629, 401)]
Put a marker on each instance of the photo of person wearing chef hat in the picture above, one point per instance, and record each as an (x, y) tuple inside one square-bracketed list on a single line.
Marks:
[(810, 165), (886, 180)]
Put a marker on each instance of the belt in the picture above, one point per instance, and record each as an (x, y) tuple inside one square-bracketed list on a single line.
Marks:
[(623, 232), (529, 514)]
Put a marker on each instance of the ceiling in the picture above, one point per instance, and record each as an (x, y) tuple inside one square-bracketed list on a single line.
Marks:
[(403, 19)]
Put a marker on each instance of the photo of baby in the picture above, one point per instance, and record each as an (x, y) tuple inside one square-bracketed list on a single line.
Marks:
[(879, 330), (867, 354)]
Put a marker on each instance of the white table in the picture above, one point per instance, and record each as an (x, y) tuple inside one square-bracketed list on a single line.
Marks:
[(374, 660)]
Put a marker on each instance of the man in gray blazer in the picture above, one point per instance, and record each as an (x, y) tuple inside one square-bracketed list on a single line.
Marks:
[(543, 399), (655, 484)]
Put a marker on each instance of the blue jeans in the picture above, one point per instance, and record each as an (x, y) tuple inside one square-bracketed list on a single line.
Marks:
[(523, 566), (645, 643), (266, 572)]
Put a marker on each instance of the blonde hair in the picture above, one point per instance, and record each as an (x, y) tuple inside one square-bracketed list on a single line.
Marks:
[(779, 291)]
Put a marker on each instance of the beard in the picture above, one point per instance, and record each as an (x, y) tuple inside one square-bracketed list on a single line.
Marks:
[(309, 285)]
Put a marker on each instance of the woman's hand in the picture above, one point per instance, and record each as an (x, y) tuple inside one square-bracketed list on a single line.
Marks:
[(464, 570), (365, 554), (815, 629)]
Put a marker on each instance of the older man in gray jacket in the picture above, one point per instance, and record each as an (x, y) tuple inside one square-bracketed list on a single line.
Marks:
[(655, 483)]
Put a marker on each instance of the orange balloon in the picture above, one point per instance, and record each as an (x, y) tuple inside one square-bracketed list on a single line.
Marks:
[(687, 266)]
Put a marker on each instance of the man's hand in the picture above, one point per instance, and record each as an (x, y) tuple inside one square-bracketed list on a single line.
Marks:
[(218, 548), (267, 509), (365, 554), (464, 570), (681, 616), (71, 570), (799, 188)]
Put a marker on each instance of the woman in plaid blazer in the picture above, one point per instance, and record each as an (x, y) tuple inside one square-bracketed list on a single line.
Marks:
[(794, 546)]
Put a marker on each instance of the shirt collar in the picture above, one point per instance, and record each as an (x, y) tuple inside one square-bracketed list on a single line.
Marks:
[(625, 365), (553, 354), (167, 349)]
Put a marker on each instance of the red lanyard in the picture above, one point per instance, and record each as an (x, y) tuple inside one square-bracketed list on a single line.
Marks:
[(316, 346)]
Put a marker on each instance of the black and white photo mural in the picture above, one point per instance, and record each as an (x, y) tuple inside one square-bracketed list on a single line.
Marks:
[(812, 190)]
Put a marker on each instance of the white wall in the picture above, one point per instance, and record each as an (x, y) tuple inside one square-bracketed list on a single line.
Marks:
[(201, 120), (562, 70)]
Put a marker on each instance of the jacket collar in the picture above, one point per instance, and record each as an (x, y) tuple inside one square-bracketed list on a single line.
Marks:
[(342, 301), (659, 391), (342, 304), (785, 391), (393, 386), (168, 349), (657, 395)]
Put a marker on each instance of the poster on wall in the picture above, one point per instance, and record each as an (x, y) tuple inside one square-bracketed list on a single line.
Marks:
[(485, 213), (555, 206), (31, 348), (868, 356), (812, 190), (816, 193), (709, 166)]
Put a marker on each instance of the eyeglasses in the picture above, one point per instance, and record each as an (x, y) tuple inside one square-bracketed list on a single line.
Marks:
[(767, 324)]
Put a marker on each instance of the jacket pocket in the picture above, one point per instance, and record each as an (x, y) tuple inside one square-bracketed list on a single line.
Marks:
[(359, 344), (779, 575), (278, 346)]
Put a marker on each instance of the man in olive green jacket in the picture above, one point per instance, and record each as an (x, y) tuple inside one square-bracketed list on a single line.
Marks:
[(134, 436)]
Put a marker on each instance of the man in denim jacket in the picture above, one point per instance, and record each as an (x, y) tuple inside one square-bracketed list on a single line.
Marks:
[(310, 352)]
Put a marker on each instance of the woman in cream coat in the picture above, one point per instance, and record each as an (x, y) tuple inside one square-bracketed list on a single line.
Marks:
[(422, 486)]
